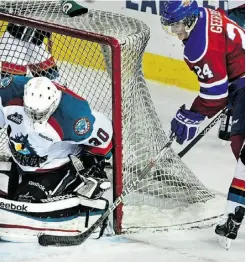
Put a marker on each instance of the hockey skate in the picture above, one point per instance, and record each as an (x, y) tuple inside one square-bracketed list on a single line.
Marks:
[(229, 229)]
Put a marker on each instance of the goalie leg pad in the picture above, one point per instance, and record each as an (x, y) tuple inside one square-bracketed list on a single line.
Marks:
[(38, 188), (9, 179), (23, 222)]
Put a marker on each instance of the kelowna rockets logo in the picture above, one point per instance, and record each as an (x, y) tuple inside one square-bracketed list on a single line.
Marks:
[(21, 144), (24, 153)]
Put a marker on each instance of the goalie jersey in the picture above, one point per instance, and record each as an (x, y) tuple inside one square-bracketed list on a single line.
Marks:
[(73, 127), (218, 59)]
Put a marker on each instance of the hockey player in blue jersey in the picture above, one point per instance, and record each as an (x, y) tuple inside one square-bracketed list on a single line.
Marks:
[(47, 127), (236, 12), (214, 50)]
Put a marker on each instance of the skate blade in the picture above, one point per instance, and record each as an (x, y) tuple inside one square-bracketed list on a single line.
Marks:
[(224, 242)]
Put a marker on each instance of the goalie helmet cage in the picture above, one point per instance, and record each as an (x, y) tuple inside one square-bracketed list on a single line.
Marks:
[(99, 56)]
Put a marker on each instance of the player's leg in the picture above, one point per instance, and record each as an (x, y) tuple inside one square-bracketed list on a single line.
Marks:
[(235, 201), (36, 187), (235, 208), (66, 180), (236, 144), (238, 122)]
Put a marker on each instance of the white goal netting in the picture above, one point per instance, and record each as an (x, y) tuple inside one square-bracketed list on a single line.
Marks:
[(170, 194)]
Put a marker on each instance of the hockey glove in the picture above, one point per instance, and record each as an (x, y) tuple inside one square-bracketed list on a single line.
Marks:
[(95, 183), (224, 131), (72, 9), (185, 124)]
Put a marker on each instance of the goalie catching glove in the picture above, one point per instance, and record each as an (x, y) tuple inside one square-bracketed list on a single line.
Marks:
[(94, 181)]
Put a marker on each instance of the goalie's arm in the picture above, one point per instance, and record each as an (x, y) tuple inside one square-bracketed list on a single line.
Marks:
[(95, 149), (100, 141), (93, 131), (11, 93)]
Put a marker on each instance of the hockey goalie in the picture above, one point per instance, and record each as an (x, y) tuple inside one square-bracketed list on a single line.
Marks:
[(55, 179)]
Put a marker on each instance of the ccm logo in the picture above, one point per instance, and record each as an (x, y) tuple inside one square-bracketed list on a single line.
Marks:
[(187, 120)]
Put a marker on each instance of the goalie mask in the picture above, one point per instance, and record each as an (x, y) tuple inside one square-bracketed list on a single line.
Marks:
[(41, 99)]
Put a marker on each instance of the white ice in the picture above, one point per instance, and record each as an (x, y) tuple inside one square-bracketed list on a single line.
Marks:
[(210, 160)]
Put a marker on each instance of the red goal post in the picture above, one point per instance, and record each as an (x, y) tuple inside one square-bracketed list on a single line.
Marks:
[(116, 89)]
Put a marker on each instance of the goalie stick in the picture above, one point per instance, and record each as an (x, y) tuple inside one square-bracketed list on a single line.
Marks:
[(47, 240), (202, 133)]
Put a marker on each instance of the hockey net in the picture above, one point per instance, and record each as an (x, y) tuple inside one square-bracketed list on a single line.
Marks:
[(99, 56)]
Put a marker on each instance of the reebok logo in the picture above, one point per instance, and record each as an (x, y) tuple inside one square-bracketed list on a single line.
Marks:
[(45, 137), (57, 198), (31, 183), (22, 208)]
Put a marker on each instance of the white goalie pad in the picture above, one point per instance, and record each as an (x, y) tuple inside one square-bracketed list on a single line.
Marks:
[(4, 177), (17, 224)]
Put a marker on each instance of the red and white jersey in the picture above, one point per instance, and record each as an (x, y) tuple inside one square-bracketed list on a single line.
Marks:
[(215, 51)]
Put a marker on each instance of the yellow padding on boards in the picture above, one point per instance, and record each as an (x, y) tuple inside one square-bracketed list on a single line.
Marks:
[(169, 71), (77, 51), (3, 27), (162, 69)]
